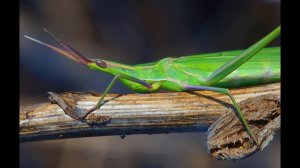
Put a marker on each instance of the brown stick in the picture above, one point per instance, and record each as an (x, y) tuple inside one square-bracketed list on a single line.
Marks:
[(133, 113), (227, 139)]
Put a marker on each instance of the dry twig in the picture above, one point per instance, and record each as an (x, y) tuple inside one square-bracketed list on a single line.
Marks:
[(133, 113)]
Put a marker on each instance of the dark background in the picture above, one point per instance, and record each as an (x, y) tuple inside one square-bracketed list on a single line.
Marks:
[(132, 32)]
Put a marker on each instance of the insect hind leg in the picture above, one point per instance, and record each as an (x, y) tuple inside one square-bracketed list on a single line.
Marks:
[(238, 112)]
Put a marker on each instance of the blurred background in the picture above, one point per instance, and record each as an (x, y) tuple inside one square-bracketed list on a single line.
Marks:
[(132, 32)]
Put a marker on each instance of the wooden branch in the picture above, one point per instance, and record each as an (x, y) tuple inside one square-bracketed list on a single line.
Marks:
[(227, 138), (133, 113)]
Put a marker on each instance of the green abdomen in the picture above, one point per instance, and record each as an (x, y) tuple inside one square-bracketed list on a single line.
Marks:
[(173, 73), (262, 68)]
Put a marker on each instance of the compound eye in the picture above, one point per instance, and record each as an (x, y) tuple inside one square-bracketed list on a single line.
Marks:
[(101, 64)]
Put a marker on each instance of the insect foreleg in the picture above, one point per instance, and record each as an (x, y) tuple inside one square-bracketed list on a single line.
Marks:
[(98, 105), (239, 114)]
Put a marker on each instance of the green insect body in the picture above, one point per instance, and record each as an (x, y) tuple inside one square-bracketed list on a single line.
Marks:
[(174, 73), (214, 72)]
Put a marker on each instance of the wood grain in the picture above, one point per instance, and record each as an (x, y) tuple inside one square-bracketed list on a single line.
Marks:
[(227, 138), (133, 113)]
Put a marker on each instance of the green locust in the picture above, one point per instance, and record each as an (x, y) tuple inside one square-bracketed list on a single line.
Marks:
[(213, 72)]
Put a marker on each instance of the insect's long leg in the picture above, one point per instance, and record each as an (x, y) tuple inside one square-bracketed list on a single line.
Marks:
[(239, 114), (239, 60), (97, 106)]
